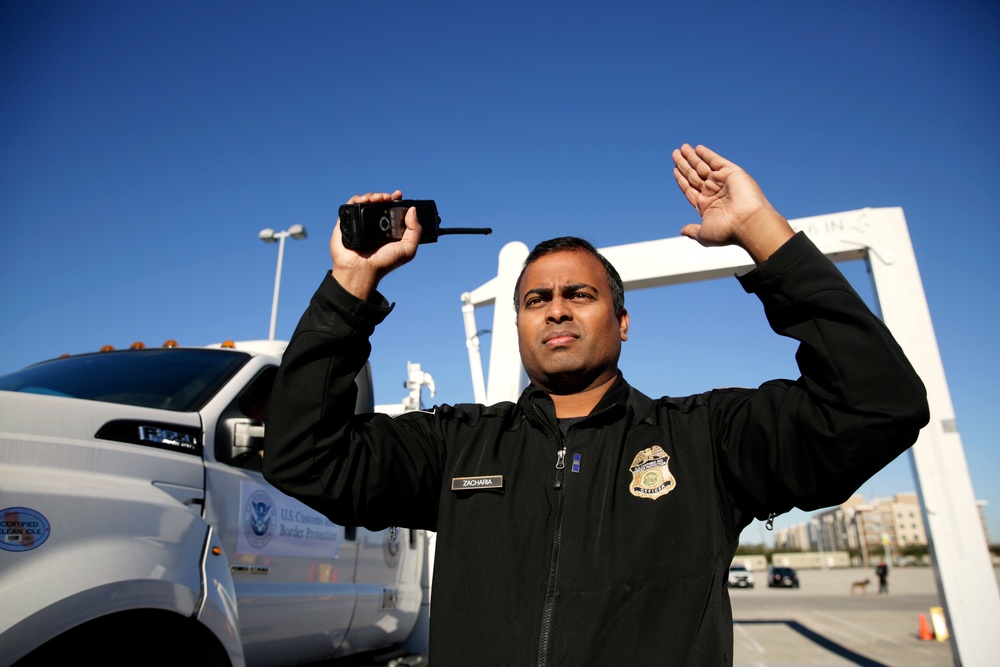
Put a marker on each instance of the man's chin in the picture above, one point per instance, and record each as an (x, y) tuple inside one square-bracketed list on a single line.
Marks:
[(562, 383)]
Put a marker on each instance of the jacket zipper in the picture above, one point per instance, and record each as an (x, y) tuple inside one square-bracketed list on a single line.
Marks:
[(550, 587), (560, 466)]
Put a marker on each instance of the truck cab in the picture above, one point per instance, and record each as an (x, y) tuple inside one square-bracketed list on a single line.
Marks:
[(135, 517)]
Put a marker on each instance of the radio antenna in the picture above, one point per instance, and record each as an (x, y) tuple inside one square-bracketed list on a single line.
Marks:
[(485, 231)]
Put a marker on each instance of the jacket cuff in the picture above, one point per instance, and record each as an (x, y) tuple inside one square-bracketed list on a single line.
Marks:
[(781, 261), (332, 302)]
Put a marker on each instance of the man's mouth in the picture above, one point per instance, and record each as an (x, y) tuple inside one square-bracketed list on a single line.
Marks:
[(557, 338)]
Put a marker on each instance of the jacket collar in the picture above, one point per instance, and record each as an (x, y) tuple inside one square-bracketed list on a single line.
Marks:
[(536, 404)]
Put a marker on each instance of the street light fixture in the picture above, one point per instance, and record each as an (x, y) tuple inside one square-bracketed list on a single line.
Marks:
[(270, 236)]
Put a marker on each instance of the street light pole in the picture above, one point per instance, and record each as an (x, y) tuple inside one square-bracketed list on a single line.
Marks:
[(277, 286), (270, 236)]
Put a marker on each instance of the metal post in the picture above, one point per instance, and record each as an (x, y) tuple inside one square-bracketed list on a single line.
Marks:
[(277, 284), (270, 236)]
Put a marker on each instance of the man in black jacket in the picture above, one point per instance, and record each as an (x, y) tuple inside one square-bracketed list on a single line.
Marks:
[(588, 523)]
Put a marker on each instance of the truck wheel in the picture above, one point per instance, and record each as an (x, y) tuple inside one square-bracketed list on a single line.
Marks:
[(147, 637)]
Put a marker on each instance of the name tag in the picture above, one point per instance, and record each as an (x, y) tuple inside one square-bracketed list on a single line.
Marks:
[(476, 483)]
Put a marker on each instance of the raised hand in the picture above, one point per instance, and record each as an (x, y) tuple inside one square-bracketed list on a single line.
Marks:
[(359, 271), (733, 209)]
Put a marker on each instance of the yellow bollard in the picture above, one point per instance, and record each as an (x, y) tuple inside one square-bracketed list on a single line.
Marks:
[(939, 623)]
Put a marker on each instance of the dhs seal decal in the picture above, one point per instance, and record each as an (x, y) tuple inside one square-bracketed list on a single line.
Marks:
[(650, 476), (258, 519)]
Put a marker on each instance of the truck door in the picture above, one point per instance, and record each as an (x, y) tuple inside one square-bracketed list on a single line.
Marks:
[(387, 581), (292, 568)]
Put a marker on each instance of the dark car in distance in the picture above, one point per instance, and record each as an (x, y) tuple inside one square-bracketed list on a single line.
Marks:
[(784, 577)]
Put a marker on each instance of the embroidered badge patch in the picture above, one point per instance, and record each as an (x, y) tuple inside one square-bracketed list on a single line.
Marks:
[(650, 476)]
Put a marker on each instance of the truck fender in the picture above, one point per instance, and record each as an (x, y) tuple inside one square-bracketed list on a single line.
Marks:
[(218, 609)]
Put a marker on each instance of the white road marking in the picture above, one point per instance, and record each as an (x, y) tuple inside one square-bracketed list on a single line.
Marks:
[(868, 631), (750, 640)]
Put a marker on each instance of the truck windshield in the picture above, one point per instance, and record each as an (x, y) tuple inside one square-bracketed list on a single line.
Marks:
[(182, 380)]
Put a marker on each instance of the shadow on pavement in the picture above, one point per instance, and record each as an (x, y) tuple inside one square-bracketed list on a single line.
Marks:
[(819, 640)]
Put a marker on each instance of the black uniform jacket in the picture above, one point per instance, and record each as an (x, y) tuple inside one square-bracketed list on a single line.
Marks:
[(610, 545)]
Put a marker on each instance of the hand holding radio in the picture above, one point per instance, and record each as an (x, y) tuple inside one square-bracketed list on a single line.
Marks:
[(379, 232), (360, 270), (369, 225)]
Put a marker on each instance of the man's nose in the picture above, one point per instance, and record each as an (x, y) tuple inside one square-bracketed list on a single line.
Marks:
[(558, 310)]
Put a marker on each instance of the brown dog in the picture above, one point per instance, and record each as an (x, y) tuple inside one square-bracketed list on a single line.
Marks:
[(860, 586)]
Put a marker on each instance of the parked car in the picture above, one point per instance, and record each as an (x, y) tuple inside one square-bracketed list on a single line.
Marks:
[(740, 577), (784, 577)]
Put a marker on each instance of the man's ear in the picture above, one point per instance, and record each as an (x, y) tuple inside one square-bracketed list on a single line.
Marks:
[(623, 324)]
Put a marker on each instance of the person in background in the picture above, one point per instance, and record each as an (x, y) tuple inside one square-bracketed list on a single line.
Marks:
[(882, 572)]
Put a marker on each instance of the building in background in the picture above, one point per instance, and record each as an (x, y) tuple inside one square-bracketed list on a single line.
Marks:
[(869, 530)]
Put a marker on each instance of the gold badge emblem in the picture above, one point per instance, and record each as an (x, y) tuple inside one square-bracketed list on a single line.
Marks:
[(650, 476)]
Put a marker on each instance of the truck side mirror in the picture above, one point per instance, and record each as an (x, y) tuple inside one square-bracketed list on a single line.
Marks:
[(243, 443), (239, 435)]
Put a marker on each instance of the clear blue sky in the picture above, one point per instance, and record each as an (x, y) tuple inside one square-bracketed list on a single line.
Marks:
[(144, 145)]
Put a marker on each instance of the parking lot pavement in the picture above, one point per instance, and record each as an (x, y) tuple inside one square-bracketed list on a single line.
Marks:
[(824, 623), (821, 623)]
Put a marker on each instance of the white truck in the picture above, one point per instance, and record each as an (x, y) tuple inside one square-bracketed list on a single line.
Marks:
[(135, 525)]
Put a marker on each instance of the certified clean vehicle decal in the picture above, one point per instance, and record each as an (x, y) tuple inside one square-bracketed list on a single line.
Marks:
[(22, 529)]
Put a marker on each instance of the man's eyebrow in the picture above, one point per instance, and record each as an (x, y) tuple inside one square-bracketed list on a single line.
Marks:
[(544, 292), (578, 286)]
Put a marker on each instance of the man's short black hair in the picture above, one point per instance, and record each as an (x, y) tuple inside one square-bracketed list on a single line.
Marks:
[(574, 243)]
